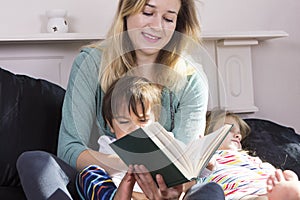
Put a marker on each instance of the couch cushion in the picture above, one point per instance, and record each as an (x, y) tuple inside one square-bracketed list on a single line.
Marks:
[(277, 144), (12, 193), (30, 114)]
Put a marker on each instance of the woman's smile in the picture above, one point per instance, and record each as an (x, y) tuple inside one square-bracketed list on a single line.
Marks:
[(150, 37)]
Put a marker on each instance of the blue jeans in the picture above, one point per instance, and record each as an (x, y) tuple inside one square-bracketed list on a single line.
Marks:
[(44, 176), (208, 191)]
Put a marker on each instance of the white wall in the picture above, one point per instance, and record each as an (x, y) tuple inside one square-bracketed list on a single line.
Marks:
[(88, 16), (276, 63)]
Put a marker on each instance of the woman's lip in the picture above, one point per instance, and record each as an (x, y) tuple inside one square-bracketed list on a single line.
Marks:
[(150, 37)]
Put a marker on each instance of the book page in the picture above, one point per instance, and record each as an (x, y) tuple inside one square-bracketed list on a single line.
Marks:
[(177, 146), (171, 147), (201, 150)]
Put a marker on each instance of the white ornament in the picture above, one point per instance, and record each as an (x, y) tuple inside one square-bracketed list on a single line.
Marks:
[(56, 21)]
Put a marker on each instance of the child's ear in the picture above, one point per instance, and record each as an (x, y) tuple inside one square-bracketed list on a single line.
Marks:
[(110, 127)]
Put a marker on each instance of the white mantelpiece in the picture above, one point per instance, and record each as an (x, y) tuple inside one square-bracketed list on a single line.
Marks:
[(68, 37), (50, 38), (231, 85), (50, 56)]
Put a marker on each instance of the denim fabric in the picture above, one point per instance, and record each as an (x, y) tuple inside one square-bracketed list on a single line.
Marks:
[(208, 191), (44, 176)]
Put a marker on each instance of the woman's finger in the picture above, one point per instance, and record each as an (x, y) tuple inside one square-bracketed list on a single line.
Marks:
[(145, 181), (144, 174), (165, 192), (162, 185)]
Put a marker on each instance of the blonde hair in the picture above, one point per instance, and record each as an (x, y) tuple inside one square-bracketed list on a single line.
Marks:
[(118, 56), (213, 117)]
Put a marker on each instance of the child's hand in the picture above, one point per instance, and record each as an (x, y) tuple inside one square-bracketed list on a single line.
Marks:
[(124, 191), (212, 164)]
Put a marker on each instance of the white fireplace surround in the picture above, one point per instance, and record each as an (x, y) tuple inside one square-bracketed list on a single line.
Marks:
[(50, 56)]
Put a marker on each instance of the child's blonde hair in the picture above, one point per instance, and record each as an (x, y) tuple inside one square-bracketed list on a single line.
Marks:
[(213, 117)]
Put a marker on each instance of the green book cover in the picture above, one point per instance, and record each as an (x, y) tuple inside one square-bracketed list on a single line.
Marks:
[(138, 148)]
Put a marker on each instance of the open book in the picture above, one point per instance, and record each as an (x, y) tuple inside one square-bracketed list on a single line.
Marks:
[(155, 148)]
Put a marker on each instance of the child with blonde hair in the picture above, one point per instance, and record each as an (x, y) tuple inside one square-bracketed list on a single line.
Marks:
[(243, 176)]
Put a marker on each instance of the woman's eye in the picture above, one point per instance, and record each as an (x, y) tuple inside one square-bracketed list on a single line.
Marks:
[(168, 20), (147, 13)]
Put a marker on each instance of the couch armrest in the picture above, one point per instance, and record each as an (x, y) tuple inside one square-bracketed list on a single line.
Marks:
[(30, 115)]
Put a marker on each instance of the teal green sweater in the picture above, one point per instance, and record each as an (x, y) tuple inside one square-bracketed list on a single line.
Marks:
[(82, 122)]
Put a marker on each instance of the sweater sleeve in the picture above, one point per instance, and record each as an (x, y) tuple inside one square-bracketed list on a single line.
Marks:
[(190, 110), (79, 107)]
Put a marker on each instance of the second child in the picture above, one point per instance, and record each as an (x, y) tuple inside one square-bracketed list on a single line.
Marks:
[(243, 176)]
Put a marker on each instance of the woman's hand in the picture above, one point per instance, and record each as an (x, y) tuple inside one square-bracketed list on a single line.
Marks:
[(152, 190)]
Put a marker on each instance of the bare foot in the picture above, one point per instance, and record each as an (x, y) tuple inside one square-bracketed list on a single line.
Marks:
[(283, 185), (290, 175)]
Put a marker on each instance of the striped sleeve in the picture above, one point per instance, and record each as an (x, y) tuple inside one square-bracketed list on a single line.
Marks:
[(94, 183)]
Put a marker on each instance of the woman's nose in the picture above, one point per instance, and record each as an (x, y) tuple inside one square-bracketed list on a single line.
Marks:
[(156, 22)]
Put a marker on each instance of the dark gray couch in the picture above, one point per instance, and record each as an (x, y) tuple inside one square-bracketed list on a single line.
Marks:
[(275, 143), (30, 114)]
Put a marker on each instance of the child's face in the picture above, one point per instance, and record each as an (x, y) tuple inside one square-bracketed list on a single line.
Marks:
[(233, 139), (127, 122)]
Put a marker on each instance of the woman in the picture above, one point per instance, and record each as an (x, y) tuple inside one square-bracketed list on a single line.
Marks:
[(146, 38)]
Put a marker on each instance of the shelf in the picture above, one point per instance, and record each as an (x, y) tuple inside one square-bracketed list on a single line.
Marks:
[(86, 37), (50, 37), (247, 35)]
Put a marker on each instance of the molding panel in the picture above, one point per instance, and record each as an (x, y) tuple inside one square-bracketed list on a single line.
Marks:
[(44, 67), (51, 62), (235, 78)]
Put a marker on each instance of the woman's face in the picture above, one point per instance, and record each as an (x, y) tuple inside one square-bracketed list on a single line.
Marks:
[(151, 29), (233, 139)]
